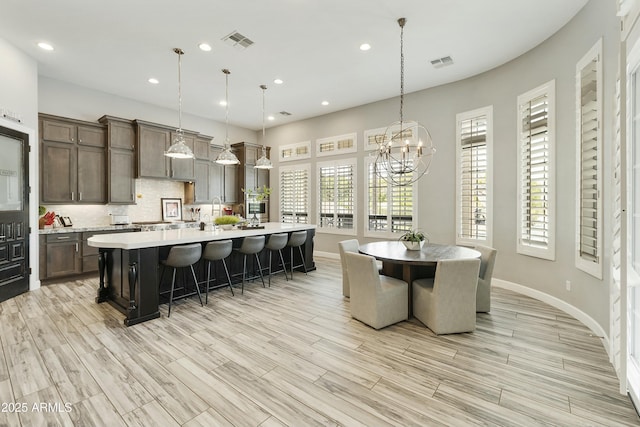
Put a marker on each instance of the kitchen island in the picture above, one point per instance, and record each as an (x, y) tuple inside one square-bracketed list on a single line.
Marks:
[(129, 263)]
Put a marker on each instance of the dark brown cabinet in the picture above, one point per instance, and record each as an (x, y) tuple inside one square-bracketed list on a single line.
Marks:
[(152, 142), (248, 177), (73, 161), (121, 138), (60, 255)]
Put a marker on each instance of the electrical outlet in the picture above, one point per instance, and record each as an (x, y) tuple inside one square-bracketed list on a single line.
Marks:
[(567, 284)]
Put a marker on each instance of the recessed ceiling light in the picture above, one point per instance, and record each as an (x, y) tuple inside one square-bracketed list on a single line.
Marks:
[(365, 46), (223, 102), (271, 118), (325, 102), (278, 81), (205, 47), (45, 46), (153, 81)]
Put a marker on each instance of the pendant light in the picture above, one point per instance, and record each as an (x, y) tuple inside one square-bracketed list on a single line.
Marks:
[(263, 162), (179, 150), (405, 151), (226, 156)]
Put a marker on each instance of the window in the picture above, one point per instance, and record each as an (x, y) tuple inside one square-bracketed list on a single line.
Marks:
[(300, 150), (474, 130), (589, 162), (390, 209), (337, 200), (536, 172), (294, 194), (337, 145)]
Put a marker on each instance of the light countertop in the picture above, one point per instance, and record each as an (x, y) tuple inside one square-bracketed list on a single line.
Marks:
[(149, 239)]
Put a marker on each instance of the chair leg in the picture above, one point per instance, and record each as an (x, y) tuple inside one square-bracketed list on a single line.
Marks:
[(224, 264), (206, 298), (195, 281), (173, 284), (244, 271), (260, 269), (302, 259), (284, 266), (270, 253)]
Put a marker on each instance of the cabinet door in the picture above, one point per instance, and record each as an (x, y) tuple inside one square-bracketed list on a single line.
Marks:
[(92, 186), (122, 136), (262, 178), (216, 181), (249, 182), (58, 131), (230, 184), (92, 135), (201, 148), (121, 177), (183, 169), (58, 173), (63, 257), (152, 143), (201, 193)]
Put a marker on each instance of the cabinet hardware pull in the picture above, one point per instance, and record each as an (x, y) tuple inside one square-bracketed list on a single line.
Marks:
[(72, 196), (63, 238), (80, 195), (76, 247)]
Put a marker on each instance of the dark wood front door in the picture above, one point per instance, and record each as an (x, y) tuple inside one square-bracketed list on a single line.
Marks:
[(14, 213)]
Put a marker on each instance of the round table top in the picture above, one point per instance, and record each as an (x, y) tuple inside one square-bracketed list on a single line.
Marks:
[(395, 251)]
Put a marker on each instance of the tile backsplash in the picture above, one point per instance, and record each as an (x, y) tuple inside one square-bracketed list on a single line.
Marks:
[(149, 192)]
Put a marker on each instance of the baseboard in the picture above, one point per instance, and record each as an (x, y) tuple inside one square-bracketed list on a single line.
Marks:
[(580, 315)]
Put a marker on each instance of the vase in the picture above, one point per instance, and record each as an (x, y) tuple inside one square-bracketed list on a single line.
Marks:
[(226, 226), (413, 246)]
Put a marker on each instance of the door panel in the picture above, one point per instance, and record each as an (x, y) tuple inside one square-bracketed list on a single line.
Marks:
[(14, 213)]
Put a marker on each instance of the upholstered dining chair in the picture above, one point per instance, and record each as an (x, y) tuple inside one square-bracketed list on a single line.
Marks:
[(344, 246), (376, 300), (483, 293), (446, 304)]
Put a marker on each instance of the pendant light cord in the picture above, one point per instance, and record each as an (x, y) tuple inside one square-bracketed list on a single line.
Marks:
[(264, 88), (226, 107), (180, 52), (401, 22)]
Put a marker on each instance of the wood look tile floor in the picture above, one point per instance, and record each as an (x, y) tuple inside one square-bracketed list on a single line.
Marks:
[(292, 355)]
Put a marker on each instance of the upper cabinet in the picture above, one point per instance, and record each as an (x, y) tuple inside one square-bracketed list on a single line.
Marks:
[(248, 177), (121, 139), (152, 142), (73, 161)]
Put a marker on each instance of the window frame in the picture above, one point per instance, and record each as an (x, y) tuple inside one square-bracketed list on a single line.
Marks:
[(368, 161), (549, 251), (306, 167), (586, 263), (487, 114), (354, 192)]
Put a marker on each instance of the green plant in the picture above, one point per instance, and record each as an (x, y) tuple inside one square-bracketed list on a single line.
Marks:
[(260, 193), (226, 220), (42, 210), (413, 236)]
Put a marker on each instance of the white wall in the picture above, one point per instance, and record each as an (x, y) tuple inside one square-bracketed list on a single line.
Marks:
[(19, 94), (436, 108)]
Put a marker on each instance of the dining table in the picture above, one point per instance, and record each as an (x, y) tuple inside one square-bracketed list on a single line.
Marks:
[(409, 265)]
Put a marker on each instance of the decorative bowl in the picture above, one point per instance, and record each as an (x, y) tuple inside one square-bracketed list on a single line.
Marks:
[(413, 246), (226, 226)]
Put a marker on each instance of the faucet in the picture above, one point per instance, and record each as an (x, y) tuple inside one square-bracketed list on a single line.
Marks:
[(213, 203)]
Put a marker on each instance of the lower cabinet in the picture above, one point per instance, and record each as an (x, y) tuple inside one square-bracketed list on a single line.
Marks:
[(69, 254)]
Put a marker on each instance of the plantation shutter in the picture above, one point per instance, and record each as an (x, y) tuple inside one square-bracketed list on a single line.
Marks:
[(390, 207), (589, 163), (337, 196), (534, 140), (294, 195), (473, 179)]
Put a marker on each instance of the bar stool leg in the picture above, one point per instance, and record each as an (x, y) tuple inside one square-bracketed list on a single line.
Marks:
[(173, 284), (270, 253), (304, 265), (195, 282), (284, 266), (260, 269), (206, 298), (224, 264), (244, 271)]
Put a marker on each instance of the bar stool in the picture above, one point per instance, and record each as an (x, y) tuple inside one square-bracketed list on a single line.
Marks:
[(182, 257), (251, 245), (277, 242), (296, 240), (217, 251)]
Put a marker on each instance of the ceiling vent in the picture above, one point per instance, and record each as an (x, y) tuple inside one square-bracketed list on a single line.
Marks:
[(285, 113), (237, 40), (442, 62)]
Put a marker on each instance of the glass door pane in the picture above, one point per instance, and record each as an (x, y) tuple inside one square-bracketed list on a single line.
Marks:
[(11, 185)]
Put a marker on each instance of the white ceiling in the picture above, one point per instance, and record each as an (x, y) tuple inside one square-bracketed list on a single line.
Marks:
[(115, 46)]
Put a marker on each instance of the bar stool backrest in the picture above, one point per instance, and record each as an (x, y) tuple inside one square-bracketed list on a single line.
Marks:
[(297, 238), (184, 256), (252, 244), (217, 250), (277, 241)]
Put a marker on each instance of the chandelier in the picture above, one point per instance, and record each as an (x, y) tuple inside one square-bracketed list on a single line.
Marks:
[(179, 150), (263, 162), (226, 156), (405, 150)]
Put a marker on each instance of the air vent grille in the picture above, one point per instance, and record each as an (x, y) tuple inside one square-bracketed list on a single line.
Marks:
[(237, 40), (442, 62)]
